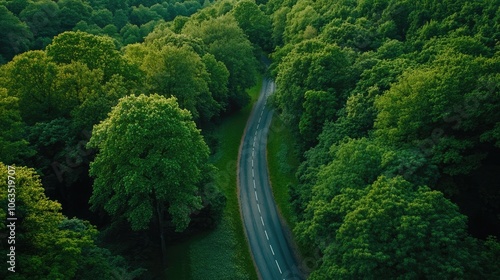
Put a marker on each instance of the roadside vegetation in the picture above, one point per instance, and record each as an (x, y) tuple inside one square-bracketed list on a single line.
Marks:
[(283, 162), (222, 253), (119, 130), (394, 106), (123, 121)]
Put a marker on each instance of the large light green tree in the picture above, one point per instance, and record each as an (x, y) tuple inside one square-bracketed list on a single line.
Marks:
[(180, 72), (29, 77), (437, 108), (149, 162), (96, 52)]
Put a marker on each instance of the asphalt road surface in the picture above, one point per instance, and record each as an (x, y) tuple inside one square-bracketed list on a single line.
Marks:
[(271, 250)]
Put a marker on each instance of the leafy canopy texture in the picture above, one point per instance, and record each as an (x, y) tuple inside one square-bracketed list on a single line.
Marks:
[(49, 245), (12, 145), (398, 231), (150, 156)]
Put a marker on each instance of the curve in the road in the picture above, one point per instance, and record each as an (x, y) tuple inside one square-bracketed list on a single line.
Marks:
[(272, 253)]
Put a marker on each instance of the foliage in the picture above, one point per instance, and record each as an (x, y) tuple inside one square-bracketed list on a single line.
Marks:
[(13, 146), (96, 52), (29, 77), (15, 35), (397, 231), (53, 98), (391, 95), (450, 96), (48, 245), (255, 24), (228, 43), (181, 72), (143, 141), (316, 66), (27, 24)]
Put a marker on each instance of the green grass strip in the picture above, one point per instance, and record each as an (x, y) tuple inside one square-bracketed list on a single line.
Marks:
[(283, 163)]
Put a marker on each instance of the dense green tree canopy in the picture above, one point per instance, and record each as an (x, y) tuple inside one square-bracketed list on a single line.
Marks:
[(13, 146), (397, 231), (29, 77), (394, 106), (228, 43), (28, 24), (47, 244), (391, 88), (156, 155), (312, 65), (63, 67), (451, 95), (96, 52), (180, 72), (255, 24), (15, 36)]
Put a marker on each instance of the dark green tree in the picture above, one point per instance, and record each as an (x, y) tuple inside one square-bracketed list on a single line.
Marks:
[(48, 245), (255, 24), (43, 19), (102, 17), (311, 65), (15, 36), (72, 11)]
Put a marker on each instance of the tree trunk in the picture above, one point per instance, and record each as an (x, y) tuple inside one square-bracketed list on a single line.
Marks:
[(160, 212)]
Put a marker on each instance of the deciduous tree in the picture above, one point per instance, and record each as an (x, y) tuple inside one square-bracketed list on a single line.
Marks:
[(149, 162), (399, 231), (13, 146), (47, 244), (15, 35), (227, 42)]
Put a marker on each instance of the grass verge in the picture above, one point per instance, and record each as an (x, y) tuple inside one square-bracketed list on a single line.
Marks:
[(283, 162), (222, 253)]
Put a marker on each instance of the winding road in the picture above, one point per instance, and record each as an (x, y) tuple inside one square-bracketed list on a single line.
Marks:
[(271, 250)]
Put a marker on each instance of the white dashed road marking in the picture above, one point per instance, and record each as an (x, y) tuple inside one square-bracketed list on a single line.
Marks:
[(254, 184), (278, 266)]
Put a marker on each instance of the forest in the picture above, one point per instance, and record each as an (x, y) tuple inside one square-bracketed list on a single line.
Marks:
[(395, 108), (393, 105)]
